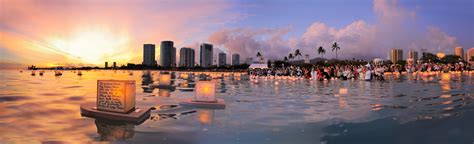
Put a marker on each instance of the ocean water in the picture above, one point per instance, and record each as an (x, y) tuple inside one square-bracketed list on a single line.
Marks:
[(407, 108)]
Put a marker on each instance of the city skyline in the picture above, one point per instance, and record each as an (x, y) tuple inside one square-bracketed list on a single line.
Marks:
[(64, 32)]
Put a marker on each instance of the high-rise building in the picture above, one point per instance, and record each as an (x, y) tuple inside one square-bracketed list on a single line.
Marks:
[(249, 60), (114, 65), (186, 57), (106, 64), (149, 55), (235, 59), (396, 55), (470, 55), (306, 58), (206, 55), (173, 57), (413, 55), (222, 59), (459, 51), (167, 54)]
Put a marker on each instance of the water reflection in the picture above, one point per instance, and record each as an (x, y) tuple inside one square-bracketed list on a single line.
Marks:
[(272, 110), (205, 117), (114, 131)]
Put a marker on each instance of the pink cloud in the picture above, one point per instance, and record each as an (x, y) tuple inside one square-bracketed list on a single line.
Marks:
[(394, 28), (135, 22)]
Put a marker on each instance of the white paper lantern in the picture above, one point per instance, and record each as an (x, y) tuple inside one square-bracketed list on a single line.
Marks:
[(205, 91), (116, 95)]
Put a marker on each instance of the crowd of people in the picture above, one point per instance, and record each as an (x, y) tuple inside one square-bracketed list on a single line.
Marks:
[(370, 71)]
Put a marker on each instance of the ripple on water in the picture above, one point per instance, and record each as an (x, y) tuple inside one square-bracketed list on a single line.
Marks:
[(72, 87), (13, 98), (75, 98), (376, 107), (52, 94)]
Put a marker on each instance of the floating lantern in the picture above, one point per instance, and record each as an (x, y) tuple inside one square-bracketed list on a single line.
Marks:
[(116, 100), (116, 95), (343, 91), (205, 96), (58, 73), (446, 77), (205, 91), (165, 80), (184, 75)]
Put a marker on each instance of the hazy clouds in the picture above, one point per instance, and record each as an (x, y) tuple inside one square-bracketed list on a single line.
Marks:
[(394, 28)]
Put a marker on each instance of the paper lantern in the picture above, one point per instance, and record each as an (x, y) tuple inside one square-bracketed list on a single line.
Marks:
[(165, 80), (446, 77), (184, 75), (343, 91), (116, 95), (205, 91)]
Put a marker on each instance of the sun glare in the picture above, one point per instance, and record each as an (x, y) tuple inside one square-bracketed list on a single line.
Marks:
[(92, 46)]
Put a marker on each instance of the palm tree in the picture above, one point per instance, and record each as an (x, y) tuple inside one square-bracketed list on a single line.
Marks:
[(335, 47), (321, 51), (298, 53), (285, 59), (290, 56), (259, 55)]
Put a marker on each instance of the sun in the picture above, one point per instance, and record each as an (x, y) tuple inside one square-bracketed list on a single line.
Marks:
[(92, 46)]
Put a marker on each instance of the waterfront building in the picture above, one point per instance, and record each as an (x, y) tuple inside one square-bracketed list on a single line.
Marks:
[(149, 55), (235, 59), (167, 54), (186, 57), (206, 55), (222, 59)]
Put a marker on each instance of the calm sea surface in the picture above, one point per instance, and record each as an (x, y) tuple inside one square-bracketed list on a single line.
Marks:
[(404, 109)]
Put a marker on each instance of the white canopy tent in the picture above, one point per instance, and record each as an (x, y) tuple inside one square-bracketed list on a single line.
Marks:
[(258, 66)]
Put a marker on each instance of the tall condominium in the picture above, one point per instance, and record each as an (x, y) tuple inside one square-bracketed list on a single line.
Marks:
[(396, 55), (470, 55), (459, 51), (413, 55), (222, 59), (173, 57), (149, 55), (106, 64), (206, 53), (167, 54), (186, 57), (249, 60), (235, 59)]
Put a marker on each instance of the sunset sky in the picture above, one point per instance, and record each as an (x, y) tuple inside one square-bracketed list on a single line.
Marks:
[(90, 32)]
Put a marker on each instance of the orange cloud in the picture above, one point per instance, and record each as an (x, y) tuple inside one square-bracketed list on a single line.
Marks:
[(92, 31)]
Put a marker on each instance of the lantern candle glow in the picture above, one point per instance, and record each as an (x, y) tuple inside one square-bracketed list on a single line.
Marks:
[(165, 80), (116, 95), (205, 91)]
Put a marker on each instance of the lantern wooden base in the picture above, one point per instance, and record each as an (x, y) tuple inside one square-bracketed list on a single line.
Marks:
[(219, 104), (170, 87), (185, 89), (137, 116)]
